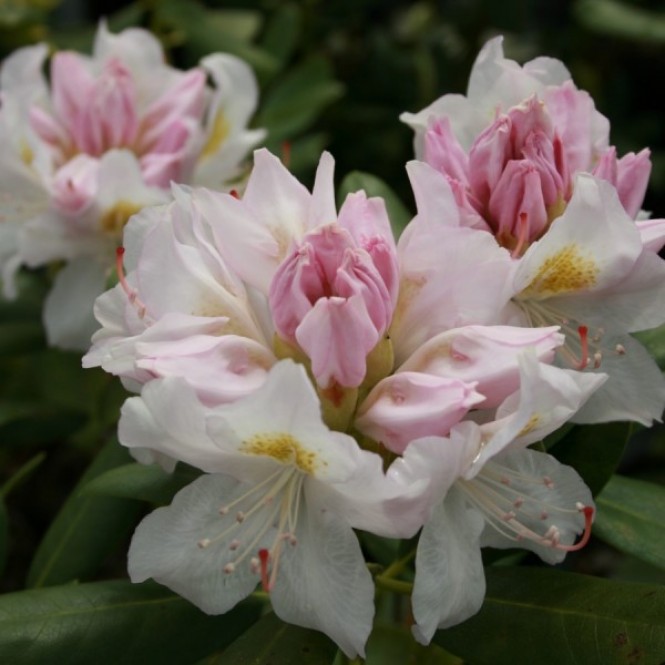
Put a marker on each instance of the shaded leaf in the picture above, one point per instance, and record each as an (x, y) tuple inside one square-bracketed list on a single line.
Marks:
[(294, 101), (86, 529), (397, 211), (631, 517), (270, 641), (621, 19), (594, 451), (139, 481), (654, 340), (21, 337), (544, 616), (107, 623), (282, 32), (4, 535)]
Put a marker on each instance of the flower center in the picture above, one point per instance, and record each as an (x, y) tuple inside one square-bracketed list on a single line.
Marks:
[(269, 507)]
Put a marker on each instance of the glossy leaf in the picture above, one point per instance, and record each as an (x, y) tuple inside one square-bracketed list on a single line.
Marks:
[(544, 616), (86, 529), (140, 481), (293, 102), (594, 451), (631, 517), (272, 641), (282, 32), (397, 211), (112, 622)]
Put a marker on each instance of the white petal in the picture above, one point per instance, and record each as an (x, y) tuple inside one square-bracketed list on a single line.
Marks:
[(165, 546), (68, 316), (450, 582), (550, 492), (323, 582)]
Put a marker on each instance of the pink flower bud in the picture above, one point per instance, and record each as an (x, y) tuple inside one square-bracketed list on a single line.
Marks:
[(516, 206), (444, 153), (411, 405), (330, 298), (633, 171), (488, 157)]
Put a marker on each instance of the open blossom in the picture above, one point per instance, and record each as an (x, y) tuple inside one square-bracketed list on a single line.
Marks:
[(104, 138), (277, 505), (512, 146), (488, 489), (590, 274), (276, 273)]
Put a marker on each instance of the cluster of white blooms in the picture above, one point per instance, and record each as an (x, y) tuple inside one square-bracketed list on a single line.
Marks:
[(323, 375)]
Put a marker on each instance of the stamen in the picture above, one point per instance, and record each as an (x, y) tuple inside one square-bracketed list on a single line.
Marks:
[(203, 543), (522, 235), (584, 340), (264, 556), (548, 482), (588, 520), (229, 568), (620, 349), (597, 359), (131, 293), (234, 194)]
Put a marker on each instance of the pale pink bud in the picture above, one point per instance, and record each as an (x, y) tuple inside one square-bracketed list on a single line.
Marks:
[(75, 184), (71, 86), (517, 208), (330, 298), (632, 180), (184, 100), (488, 157), (411, 405), (444, 153), (541, 151), (525, 119), (109, 119)]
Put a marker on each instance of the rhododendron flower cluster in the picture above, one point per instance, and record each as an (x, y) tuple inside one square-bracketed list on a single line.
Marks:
[(325, 376), (102, 139)]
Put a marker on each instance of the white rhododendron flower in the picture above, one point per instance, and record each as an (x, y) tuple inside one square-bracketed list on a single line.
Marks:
[(103, 139)]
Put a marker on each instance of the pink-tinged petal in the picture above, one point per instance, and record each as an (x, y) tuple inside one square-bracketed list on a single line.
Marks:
[(444, 153), (548, 397), (221, 369), (184, 100), (547, 156), (72, 85), (441, 289), (243, 239), (486, 356), (47, 128), (74, 186), (488, 157), (584, 132), (337, 334), (517, 201), (435, 199), (21, 73), (633, 171), (412, 405), (322, 205), (652, 232), (366, 219), (591, 247)]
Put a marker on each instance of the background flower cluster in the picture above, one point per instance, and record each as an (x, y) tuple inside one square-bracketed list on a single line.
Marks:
[(333, 76)]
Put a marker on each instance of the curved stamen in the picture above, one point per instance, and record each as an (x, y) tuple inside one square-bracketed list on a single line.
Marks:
[(522, 235), (132, 295)]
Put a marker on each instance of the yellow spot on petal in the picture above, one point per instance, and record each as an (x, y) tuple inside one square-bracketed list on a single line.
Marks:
[(531, 425), (27, 155), (114, 219), (218, 134), (284, 448), (565, 271)]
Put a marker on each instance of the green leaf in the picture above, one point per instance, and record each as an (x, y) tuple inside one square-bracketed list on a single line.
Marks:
[(140, 481), (544, 616), (594, 451), (631, 517), (294, 101), (86, 529), (620, 19), (4, 535), (271, 641), (107, 623), (397, 211), (654, 340), (282, 32)]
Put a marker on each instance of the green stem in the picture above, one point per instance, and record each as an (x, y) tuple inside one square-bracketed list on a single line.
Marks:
[(396, 567), (22, 474), (405, 588)]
